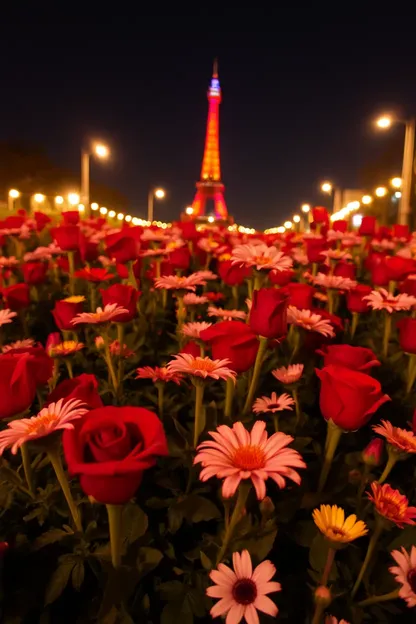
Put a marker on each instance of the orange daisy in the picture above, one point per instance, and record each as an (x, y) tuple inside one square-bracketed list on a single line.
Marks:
[(401, 440), (391, 504)]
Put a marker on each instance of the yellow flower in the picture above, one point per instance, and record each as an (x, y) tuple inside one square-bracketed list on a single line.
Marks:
[(66, 348), (332, 523), (75, 299)]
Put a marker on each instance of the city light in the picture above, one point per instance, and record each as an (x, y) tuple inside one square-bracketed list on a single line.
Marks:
[(398, 194), (354, 205), (189, 210), (366, 199), (281, 229), (73, 199), (39, 198), (14, 194), (396, 182), (326, 187), (288, 224), (101, 150), (94, 206), (381, 191), (112, 214), (305, 208), (159, 193), (81, 208), (357, 219), (128, 218), (103, 210), (384, 122), (59, 200), (296, 218), (120, 216), (211, 219)]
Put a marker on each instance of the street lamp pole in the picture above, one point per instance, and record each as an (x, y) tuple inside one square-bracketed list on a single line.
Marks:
[(407, 172), (85, 180), (150, 202)]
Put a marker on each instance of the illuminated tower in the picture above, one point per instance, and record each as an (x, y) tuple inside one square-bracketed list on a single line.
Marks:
[(209, 198)]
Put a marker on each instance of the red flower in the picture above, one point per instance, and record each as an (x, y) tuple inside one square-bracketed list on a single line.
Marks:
[(14, 221), (126, 297), (320, 215), (398, 268), (340, 225), (189, 231), (268, 315), (232, 274), (66, 236), (314, 249), (414, 421), (408, 286), (355, 302), (349, 398), (64, 311), (355, 358), (214, 296), (233, 340), (191, 348), (335, 320), (345, 269), (94, 275), (368, 226), (401, 231), (380, 275), (123, 272), (17, 384), (84, 387), (16, 297), (122, 246), (281, 278), (110, 449), (70, 217), (40, 364), (41, 220), (300, 295), (34, 272), (407, 334), (88, 249), (180, 258)]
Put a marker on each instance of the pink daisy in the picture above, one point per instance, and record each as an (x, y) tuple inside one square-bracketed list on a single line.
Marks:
[(6, 316), (201, 367), (261, 257), (235, 454), (310, 321), (110, 311), (334, 281), (154, 235), (158, 374), (403, 440), (115, 349), (299, 256), (176, 282), (193, 330), (227, 315), (273, 403), (243, 591), (50, 419), (206, 275), (382, 300), (19, 344), (193, 299), (337, 254), (8, 263), (288, 375), (147, 253), (208, 244), (405, 574)]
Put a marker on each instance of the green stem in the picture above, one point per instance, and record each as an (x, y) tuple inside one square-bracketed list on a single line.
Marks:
[(109, 361), (391, 462), (199, 397), (180, 313), (328, 566), (120, 338), (319, 611), (276, 422), (56, 461), (160, 399), (235, 296), (256, 374), (330, 301), (93, 297), (243, 492), (68, 365), (354, 323), (115, 513), (386, 336), (258, 280), (371, 546), (229, 396), (27, 468), (375, 599), (333, 436), (363, 483), (71, 264), (131, 275), (297, 408)]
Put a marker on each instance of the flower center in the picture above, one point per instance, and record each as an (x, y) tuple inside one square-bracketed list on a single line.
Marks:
[(391, 509), (75, 299), (261, 259), (408, 441), (335, 532), (249, 458), (41, 423), (411, 579), (200, 364), (244, 591)]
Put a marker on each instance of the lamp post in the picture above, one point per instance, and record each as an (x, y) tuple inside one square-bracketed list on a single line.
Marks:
[(159, 193), (99, 150), (13, 195), (335, 193), (407, 166)]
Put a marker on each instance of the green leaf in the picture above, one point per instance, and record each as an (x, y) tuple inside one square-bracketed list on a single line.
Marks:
[(318, 552), (60, 578), (135, 523), (199, 509), (305, 533), (175, 518), (50, 537), (171, 590), (148, 559), (206, 561), (406, 538), (258, 547), (174, 611), (78, 574)]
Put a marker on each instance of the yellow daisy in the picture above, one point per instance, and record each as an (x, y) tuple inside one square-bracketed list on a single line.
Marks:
[(332, 523), (75, 299)]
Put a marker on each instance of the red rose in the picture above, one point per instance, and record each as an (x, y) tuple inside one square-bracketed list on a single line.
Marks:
[(41, 220), (320, 214), (349, 398), (40, 364), (64, 311), (233, 340), (355, 302), (368, 226), (88, 249), (268, 316), (345, 269), (122, 246), (314, 249), (401, 231), (300, 295), (126, 297), (14, 221), (340, 225), (336, 321), (373, 259), (398, 268), (180, 258), (407, 334), (34, 272), (70, 217), (192, 348), (17, 383), (355, 358), (95, 275), (84, 387), (281, 278), (66, 237), (189, 231), (110, 448), (16, 297), (232, 274), (408, 285), (383, 232)]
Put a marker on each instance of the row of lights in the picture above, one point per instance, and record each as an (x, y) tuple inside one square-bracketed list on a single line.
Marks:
[(380, 192)]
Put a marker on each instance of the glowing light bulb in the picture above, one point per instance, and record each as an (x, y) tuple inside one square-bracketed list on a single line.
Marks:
[(14, 194), (81, 208), (288, 224), (112, 214), (384, 122), (396, 182), (326, 187), (94, 206), (281, 229), (381, 191), (211, 219), (103, 210), (73, 199), (101, 150), (120, 216), (357, 219), (59, 200), (305, 208), (366, 199), (296, 218), (128, 218), (398, 194), (39, 198), (135, 221), (189, 210), (159, 193), (354, 205)]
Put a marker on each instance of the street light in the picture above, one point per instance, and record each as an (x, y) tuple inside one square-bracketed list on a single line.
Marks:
[(281, 229), (159, 193), (39, 198), (305, 208), (396, 182), (381, 191), (94, 206), (128, 218), (211, 219), (103, 210), (73, 199), (288, 224), (13, 194), (81, 208), (326, 187), (112, 214), (366, 199), (120, 216), (96, 149), (296, 218), (59, 200), (407, 165), (189, 210)]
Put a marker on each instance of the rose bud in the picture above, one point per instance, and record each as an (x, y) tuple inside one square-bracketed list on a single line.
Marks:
[(373, 453)]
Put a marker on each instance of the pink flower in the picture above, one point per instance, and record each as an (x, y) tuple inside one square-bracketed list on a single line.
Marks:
[(403, 441), (261, 257), (187, 364), (154, 235), (19, 344), (208, 244), (192, 299), (382, 300), (50, 419), (405, 574), (158, 374), (310, 321), (235, 454), (227, 315), (111, 310), (243, 591), (193, 330), (67, 347), (124, 352), (337, 254), (206, 275), (9, 262), (273, 403), (147, 253), (175, 282), (334, 281), (6, 316), (288, 375)]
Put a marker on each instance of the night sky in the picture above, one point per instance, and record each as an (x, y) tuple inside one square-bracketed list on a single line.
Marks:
[(300, 90)]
